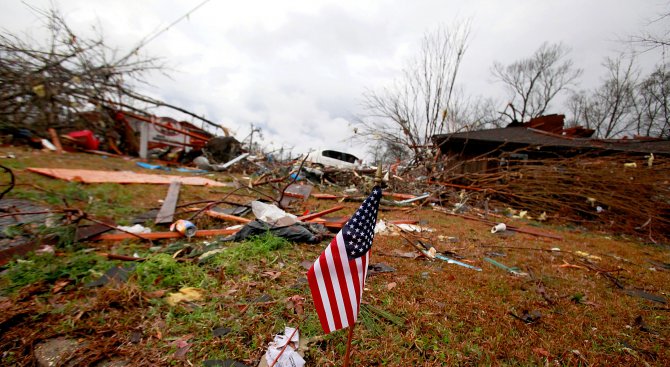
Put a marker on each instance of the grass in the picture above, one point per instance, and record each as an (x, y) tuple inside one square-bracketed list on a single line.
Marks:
[(162, 271), (436, 314), (78, 268), (256, 250)]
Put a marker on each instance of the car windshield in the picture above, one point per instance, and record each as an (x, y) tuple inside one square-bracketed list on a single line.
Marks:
[(340, 156)]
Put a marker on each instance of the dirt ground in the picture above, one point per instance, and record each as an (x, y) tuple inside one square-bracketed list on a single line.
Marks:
[(587, 299)]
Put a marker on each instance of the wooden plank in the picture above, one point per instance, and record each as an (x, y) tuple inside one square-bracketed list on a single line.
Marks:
[(398, 195), (297, 191), (121, 177), (166, 213), (225, 216), (339, 222), (307, 217), (327, 196), (163, 235)]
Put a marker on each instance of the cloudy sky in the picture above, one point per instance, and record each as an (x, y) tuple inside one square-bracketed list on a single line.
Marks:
[(297, 68)]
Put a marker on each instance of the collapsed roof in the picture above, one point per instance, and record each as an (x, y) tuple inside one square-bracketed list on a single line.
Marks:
[(544, 135)]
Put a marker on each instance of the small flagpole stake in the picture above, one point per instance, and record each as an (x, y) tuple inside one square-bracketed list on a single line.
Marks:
[(351, 335), (378, 176)]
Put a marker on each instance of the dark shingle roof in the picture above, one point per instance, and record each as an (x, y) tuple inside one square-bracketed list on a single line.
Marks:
[(532, 137)]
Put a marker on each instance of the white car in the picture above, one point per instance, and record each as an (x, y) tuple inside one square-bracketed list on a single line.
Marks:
[(334, 158)]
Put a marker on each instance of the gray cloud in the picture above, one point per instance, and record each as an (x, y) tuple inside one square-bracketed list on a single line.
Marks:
[(298, 68)]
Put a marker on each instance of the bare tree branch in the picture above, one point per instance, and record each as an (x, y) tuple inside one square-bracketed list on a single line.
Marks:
[(533, 83)]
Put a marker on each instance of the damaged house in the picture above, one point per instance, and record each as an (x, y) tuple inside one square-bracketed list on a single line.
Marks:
[(541, 138)]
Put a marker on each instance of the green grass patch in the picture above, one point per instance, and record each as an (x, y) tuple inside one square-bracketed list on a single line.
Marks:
[(79, 267), (162, 271), (254, 250)]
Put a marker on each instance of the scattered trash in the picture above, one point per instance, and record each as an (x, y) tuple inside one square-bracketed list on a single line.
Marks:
[(152, 166), (411, 200), (137, 228), (186, 294), (115, 274), (456, 262), (451, 239), (282, 350), (271, 214), (586, 255), (514, 271), (379, 268), (500, 227), (394, 227), (166, 212), (184, 227), (47, 144), (298, 232)]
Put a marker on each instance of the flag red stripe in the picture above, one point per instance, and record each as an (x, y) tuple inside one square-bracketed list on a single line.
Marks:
[(316, 297), (344, 288), (329, 288), (355, 279)]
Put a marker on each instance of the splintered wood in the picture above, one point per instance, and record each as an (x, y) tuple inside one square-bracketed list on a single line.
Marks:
[(121, 177)]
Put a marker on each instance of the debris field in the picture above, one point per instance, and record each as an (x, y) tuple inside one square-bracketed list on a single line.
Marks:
[(446, 284)]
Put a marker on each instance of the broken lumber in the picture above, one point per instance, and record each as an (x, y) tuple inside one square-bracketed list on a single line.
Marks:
[(308, 217), (166, 212), (398, 196), (162, 235), (224, 216)]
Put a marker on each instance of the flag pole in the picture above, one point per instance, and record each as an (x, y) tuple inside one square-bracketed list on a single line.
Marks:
[(351, 335), (378, 176), (378, 182)]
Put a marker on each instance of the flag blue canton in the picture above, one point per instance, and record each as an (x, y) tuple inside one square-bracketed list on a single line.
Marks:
[(360, 229)]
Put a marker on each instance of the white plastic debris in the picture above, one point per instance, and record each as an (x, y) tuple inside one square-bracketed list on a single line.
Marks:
[(500, 227), (413, 228), (47, 144), (650, 160), (380, 227), (136, 229), (272, 214), (385, 228), (290, 357)]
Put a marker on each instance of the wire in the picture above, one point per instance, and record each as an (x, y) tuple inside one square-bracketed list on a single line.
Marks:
[(150, 38)]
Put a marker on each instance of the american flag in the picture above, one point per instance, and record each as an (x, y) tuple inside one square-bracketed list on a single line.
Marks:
[(337, 277)]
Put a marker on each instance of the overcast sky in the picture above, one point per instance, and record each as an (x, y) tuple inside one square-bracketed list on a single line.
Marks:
[(298, 68)]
